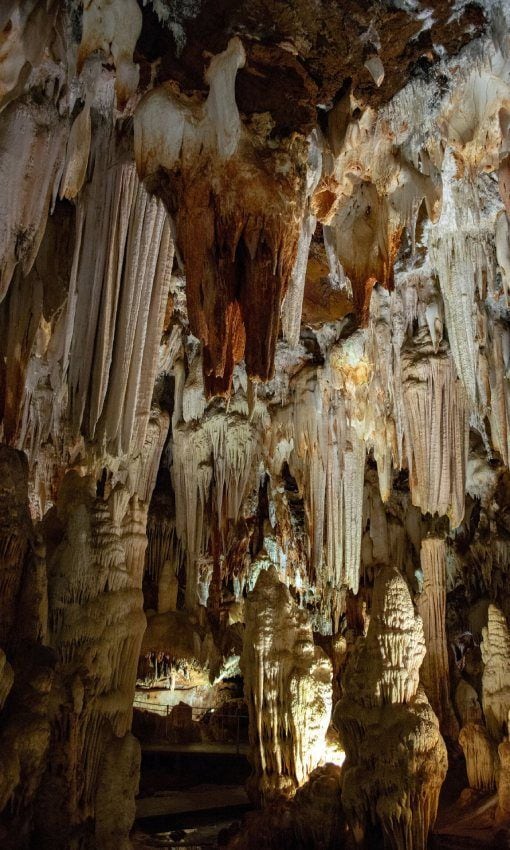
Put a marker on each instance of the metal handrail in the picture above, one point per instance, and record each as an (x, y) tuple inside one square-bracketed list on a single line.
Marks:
[(165, 710)]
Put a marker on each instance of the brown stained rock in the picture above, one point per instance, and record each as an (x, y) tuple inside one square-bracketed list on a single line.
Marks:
[(322, 303), (237, 224)]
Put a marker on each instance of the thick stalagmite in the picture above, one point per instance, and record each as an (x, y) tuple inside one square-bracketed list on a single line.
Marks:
[(481, 756), (96, 628), (496, 674), (287, 682), (395, 756)]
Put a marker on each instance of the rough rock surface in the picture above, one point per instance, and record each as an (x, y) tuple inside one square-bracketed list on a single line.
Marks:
[(254, 392)]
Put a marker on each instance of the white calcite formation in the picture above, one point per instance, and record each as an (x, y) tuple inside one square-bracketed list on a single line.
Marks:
[(431, 606), (287, 683), (436, 429), (395, 755), (481, 756), (496, 674)]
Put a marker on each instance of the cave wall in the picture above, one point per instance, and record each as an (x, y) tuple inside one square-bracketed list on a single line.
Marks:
[(254, 337)]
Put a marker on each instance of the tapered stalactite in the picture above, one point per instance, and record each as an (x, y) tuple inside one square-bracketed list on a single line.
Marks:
[(328, 461), (431, 606), (293, 304), (436, 428), (287, 682), (392, 777), (118, 294), (30, 134), (367, 199), (237, 215), (220, 455)]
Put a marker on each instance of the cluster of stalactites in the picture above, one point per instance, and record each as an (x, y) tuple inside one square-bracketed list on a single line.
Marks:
[(118, 295), (215, 467), (237, 217), (287, 685), (431, 606), (368, 193), (436, 428)]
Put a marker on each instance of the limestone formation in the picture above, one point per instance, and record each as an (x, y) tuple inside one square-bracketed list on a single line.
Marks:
[(496, 675), (287, 683), (395, 756), (481, 756), (431, 605), (254, 409)]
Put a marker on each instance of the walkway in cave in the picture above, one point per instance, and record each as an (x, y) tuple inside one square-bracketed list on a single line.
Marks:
[(196, 786)]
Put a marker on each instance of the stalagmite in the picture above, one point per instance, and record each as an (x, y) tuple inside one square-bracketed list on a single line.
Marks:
[(481, 756), (392, 778), (503, 810), (116, 790), (96, 627), (287, 683), (496, 674)]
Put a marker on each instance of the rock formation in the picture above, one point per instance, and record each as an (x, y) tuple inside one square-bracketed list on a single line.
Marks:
[(395, 756), (254, 406), (287, 683), (431, 605)]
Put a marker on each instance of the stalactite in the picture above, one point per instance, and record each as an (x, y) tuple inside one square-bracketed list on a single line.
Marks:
[(32, 142), (287, 682), (431, 606), (162, 547), (370, 195), (237, 217), (498, 357), (461, 261), (436, 428), (123, 240), (293, 304), (113, 27), (329, 462), (223, 451)]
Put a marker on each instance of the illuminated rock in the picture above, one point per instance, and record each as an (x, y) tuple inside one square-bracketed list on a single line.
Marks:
[(287, 682), (395, 756)]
